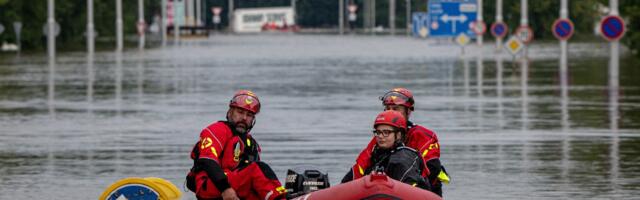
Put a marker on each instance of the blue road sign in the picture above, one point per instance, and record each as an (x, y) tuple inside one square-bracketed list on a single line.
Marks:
[(449, 18), (499, 29), (562, 29), (612, 27), (419, 21)]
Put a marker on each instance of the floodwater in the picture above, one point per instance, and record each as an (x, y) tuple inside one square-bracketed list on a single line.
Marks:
[(509, 127)]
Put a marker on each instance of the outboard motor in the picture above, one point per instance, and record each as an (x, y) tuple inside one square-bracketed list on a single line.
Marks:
[(298, 184)]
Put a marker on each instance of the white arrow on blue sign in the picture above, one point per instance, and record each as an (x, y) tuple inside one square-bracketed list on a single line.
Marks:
[(449, 18)]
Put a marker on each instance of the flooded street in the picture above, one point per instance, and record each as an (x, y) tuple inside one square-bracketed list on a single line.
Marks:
[(509, 128)]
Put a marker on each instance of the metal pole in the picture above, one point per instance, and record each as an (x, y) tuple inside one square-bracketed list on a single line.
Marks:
[(499, 19), (198, 12), (119, 43), (163, 26), (408, 18), (141, 23), (480, 20), (230, 13), (51, 36), (293, 6), (189, 6), (90, 27), (392, 16), (373, 17), (176, 24), (51, 47), (365, 13), (341, 17), (524, 19), (90, 51), (564, 79)]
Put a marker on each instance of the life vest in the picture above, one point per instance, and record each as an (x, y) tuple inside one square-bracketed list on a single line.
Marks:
[(219, 143)]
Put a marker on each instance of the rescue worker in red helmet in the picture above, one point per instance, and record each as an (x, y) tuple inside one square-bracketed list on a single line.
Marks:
[(390, 155), (423, 140), (226, 158)]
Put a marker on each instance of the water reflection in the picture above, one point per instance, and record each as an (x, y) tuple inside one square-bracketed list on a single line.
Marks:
[(480, 90), (524, 92), (586, 150), (614, 93), (564, 107), (499, 90), (51, 87)]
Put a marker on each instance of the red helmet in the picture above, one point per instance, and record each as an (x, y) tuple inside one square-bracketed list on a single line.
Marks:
[(247, 100), (398, 96), (391, 118)]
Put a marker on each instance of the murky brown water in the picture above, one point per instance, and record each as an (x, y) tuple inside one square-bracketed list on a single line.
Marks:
[(507, 130)]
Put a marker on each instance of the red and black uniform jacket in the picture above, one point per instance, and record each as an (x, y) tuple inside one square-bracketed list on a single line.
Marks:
[(221, 150), (423, 140)]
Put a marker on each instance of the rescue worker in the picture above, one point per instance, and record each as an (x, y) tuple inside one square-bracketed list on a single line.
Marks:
[(226, 158), (390, 155), (423, 140)]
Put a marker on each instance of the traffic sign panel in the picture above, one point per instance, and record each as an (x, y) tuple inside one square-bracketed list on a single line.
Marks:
[(462, 39), (563, 29), (141, 26), (479, 27), (514, 45), (499, 29), (420, 22), (448, 18), (612, 27), (525, 34)]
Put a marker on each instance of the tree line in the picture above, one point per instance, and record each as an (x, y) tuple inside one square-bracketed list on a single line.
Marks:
[(71, 15)]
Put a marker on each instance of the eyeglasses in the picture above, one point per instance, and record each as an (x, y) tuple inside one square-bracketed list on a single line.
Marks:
[(395, 98), (384, 133)]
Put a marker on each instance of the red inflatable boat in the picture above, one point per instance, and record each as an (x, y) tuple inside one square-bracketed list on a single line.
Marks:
[(374, 186)]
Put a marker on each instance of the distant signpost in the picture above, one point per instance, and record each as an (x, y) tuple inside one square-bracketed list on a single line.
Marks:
[(499, 29), (514, 45), (449, 18), (420, 24), (612, 27), (479, 27), (525, 34), (563, 29)]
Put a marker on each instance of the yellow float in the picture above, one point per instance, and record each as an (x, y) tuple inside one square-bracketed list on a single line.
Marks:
[(150, 188)]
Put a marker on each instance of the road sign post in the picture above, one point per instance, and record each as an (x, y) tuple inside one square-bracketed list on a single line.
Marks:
[(499, 29), (420, 24), (525, 34), (216, 16), (612, 27), (563, 29), (352, 15), (17, 27), (462, 39), (514, 45), (449, 18), (478, 27)]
